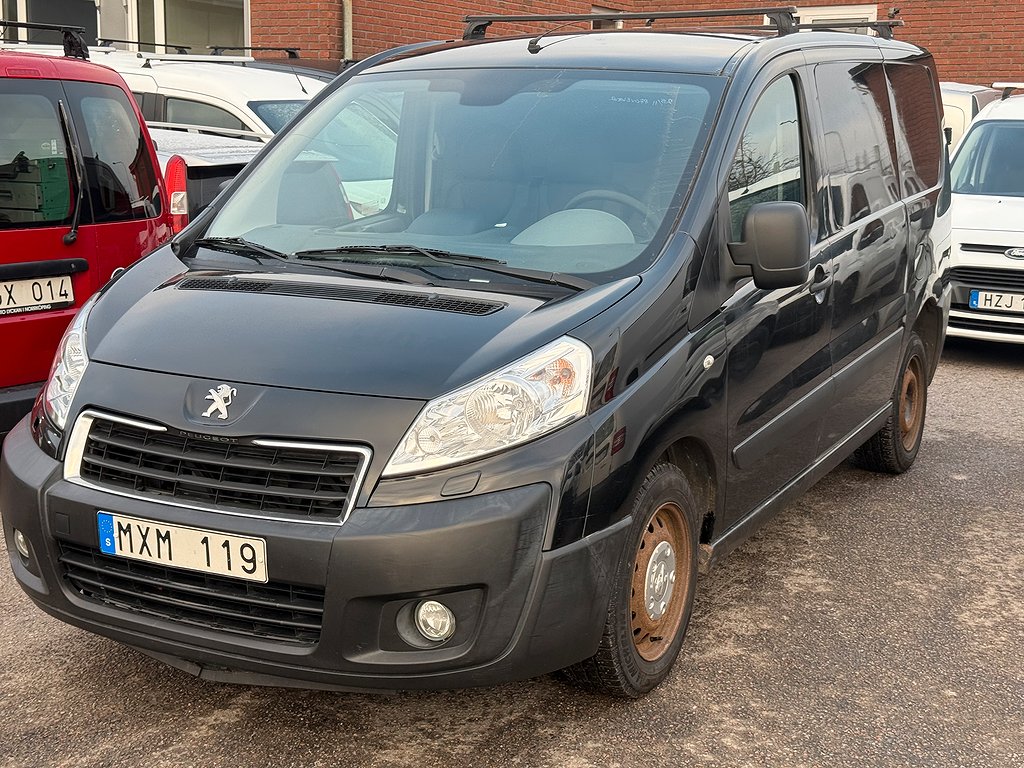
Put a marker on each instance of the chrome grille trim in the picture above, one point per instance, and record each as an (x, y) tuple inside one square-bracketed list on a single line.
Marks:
[(75, 454)]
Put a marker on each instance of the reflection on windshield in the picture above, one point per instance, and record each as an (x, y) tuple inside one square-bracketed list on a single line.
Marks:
[(990, 161), (566, 171)]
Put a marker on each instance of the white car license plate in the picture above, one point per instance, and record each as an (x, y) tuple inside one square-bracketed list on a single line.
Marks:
[(1007, 302), (36, 295), (194, 549)]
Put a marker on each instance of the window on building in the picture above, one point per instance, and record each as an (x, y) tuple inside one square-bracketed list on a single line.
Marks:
[(80, 13), (605, 23), (839, 14), (196, 23)]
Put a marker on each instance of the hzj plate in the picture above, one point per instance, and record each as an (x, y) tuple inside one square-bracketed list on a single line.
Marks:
[(38, 295), (1007, 302), (178, 546)]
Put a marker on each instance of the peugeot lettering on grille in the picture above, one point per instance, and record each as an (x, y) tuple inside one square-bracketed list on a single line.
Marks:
[(221, 397)]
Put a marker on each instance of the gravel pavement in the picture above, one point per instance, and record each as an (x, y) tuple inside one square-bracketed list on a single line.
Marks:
[(877, 621)]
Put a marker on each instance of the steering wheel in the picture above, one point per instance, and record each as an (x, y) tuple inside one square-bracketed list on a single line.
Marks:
[(621, 198)]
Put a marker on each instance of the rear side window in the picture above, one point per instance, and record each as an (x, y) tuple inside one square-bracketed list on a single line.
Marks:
[(918, 132), (859, 140), (188, 112), (119, 170), (768, 165), (35, 175)]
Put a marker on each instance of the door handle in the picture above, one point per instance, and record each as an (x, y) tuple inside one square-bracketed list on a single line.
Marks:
[(822, 279)]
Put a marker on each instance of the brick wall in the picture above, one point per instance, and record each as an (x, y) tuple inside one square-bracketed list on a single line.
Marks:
[(977, 43)]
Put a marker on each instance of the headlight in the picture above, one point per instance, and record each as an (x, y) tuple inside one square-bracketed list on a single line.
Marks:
[(536, 395), (68, 367)]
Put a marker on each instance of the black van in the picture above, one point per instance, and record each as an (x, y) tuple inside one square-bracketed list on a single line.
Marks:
[(494, 349)]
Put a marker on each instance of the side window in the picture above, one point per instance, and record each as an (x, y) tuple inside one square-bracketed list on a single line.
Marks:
[(35, 175), (188, 112), (859, 141), (918, 132), (119, 169), (768, 165)]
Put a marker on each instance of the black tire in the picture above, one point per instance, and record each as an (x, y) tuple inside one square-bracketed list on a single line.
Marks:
[(895, 446), (637, 651)]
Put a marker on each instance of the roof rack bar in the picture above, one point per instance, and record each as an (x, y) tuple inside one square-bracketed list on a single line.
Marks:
[(293, 53), (74, 40), (883, 29), (1008, 88), (182, 49), (782, 17)]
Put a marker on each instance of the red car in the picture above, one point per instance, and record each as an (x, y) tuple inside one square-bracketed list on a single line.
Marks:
[(80, 196)]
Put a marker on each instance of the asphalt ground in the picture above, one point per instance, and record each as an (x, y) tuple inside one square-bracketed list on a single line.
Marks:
[(877, 621)]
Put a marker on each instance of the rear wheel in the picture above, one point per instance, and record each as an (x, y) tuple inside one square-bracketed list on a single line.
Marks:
[(652, 599), (895, 446)]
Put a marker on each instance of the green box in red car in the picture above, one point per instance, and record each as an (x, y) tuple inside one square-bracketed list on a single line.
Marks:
[(80, 196)]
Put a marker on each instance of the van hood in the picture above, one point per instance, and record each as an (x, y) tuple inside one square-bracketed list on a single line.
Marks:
[(324, 332), (988, 212)]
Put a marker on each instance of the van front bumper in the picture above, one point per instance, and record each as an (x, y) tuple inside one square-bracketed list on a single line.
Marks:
[(521, 610)]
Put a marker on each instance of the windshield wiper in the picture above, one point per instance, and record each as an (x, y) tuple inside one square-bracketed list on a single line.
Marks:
[(496, 266), (242, 247), (258, 253)]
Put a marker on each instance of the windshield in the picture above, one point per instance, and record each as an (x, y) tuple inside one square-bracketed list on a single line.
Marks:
[(276, 114), (568, 171), (990, 161)]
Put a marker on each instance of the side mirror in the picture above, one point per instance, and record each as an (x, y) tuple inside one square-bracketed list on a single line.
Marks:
[(949, 135), (776, 246)]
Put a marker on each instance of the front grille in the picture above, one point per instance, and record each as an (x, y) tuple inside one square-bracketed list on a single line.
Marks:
[(989, 278), (433, 301), (983, 248), (985, 323), (263, 480), (273, 611)]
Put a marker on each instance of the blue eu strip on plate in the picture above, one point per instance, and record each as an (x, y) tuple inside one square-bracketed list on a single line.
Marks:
[(106, 528), (974, 299)]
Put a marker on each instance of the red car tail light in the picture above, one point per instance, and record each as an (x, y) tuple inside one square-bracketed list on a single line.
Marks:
[(176, 176)]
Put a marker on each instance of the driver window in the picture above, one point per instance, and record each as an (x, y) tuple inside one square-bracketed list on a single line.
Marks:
[(768, 165)]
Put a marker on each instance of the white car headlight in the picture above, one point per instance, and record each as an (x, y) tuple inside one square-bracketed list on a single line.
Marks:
[(533, 396), (68, 366)]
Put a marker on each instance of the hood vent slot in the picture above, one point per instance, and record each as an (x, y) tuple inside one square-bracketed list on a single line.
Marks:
[(433, 301)]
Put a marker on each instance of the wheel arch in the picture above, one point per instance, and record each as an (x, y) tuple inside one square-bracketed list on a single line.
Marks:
[(929, 326)]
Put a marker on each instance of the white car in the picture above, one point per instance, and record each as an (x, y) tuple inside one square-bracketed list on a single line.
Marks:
[(988, 224), (229, 93), (961, 103)]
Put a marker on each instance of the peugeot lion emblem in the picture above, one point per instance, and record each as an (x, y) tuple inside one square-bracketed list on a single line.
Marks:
[(1015, 253), (221, 397)]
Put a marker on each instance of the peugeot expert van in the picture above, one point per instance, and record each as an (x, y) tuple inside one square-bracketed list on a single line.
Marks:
[(624, 294), (80, 196)]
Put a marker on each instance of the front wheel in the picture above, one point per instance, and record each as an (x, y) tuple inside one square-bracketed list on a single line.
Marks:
[(653, 596), (895, 446)]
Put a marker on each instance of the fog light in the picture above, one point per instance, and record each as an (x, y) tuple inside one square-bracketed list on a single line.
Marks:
[(21, 543), (435, 621)]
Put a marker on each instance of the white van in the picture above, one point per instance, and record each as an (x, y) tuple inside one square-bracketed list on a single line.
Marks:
[(987, 272)]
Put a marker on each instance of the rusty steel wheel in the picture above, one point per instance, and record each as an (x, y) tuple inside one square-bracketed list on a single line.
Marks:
[(656, 602), (894, 447), (912, 404), (652, 593)]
